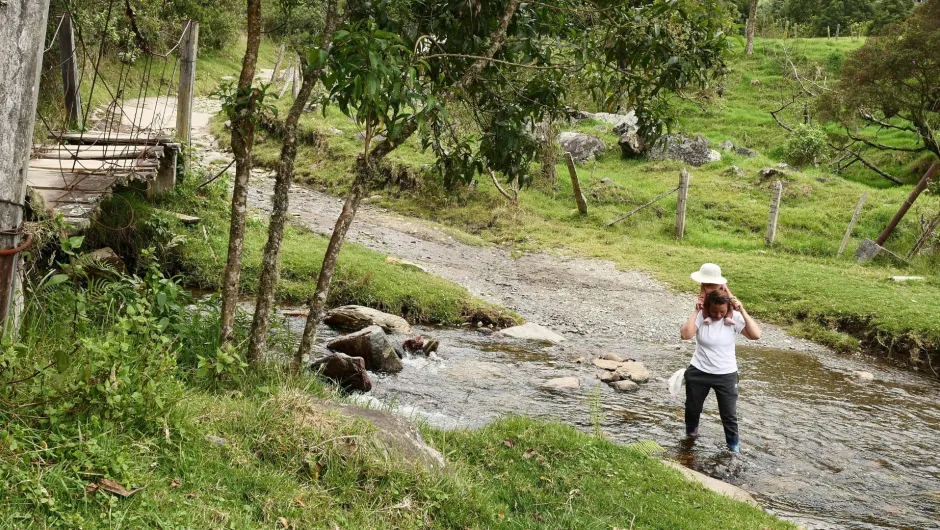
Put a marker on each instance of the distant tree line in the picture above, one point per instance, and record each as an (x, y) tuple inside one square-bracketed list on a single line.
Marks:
[(824, 18)]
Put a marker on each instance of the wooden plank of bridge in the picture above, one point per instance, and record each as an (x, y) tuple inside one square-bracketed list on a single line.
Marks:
[(97, 152)]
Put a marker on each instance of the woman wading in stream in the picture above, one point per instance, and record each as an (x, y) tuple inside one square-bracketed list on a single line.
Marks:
[(714, 365)]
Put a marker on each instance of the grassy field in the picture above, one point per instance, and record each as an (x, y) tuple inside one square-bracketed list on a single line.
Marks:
[(798, 282)]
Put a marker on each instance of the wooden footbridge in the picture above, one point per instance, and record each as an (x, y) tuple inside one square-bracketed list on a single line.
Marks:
[(72, 175)]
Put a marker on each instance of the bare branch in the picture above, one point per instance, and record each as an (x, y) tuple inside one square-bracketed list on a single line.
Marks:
[(883, 147), (869, 117), (482, 59), (781, 109), (876, 169), (512, 198)]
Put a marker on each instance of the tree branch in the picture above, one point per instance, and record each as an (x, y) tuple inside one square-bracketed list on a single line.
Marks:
[(512, 198), (883, 147), (869, 117), (482, 59), (496, 42)]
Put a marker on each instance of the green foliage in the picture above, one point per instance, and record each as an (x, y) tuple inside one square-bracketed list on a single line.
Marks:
[(891, 85), (807, 145), (374, 78), (160, 23)]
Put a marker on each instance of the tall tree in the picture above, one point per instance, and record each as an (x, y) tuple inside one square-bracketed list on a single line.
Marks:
[(751, 26), (509, 63), (270, 262), (242, 116), (892, 84)]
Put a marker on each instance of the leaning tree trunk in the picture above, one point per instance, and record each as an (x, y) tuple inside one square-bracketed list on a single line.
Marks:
[(751, 26), (270, 262), (243, 136), (317, 303)]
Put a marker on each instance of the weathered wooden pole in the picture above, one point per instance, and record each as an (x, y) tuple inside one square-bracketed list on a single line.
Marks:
[(576, 185), (69, 65), (22, 39), (184, 105), (295, 90), (774, 211), (921, 186), (838, 27), (277, 62), (848, 231), (682, 202)]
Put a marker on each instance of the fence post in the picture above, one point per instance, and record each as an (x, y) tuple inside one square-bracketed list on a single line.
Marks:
[(277, 63), (295, 90), (681, 203), (921, 186), (184, 105), (22, 40), (69, 65), (576, 185), (774, 211), (848, 231)]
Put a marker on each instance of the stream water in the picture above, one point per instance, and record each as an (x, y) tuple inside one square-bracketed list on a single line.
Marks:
[(818, 447)]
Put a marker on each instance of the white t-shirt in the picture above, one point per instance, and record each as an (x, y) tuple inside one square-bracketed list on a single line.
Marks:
[(714, 345)]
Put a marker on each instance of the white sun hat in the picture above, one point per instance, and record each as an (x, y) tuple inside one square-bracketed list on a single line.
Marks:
[(709, 273)]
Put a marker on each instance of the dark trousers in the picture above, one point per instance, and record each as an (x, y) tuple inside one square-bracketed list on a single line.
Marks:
[(697, 385)]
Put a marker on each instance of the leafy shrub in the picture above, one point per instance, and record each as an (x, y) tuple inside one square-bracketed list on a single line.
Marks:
[(807, 145)]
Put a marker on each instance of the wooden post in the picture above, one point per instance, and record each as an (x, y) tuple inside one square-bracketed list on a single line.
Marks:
[(576, 185), (22, 40), (184, 105), (921, 186), (681, 203), (838, 27), (69, 65), (774, 211), (848, 231), (295, 91), (277, 63)]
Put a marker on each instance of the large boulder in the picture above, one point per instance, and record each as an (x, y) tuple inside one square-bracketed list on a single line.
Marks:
[(581, 146), (621, 122), (349, 372), (532, 331), (695, 151), (372, 345), (634, 371), (396, 439), (632, 145), (607, 364), (354, 318)]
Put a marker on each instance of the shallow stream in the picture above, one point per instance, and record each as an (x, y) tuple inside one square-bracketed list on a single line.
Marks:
[(818, 447)]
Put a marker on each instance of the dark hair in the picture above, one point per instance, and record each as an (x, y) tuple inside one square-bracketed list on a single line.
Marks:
[(716, 298)]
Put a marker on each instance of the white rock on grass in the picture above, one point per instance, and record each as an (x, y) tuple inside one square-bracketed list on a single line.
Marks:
[(901, 279), (532, 331)]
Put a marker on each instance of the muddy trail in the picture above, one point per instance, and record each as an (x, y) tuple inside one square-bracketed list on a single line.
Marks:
[(819, 446)]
